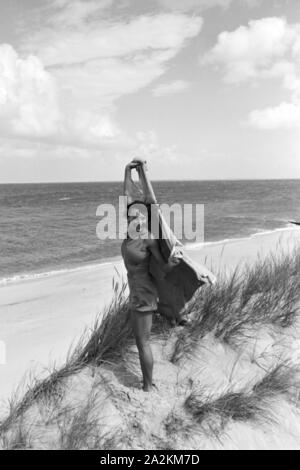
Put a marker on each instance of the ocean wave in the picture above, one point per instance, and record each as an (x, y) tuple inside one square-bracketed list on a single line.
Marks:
[(32, 276), (188, 246)]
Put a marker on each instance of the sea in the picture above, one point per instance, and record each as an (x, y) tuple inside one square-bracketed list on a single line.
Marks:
[(48, 228)]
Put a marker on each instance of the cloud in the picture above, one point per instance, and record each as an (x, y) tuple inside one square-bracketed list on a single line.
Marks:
[(250, 50), (63, 14), (59, 91), (178, 86), (28, 94), (104, 81), (200, 5), (117, 59), (32, 105), (284, 116), (20, 148), (73, 12), (66, 88), (161, 32), (265, 49), (191, 5)]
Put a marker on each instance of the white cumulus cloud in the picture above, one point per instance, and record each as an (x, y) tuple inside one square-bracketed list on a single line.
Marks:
[(32, 105), (28, 94), (250, 50), (284, 116), (265, 49)]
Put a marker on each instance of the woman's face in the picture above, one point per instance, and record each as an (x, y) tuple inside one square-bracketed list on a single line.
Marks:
[(136, 219)]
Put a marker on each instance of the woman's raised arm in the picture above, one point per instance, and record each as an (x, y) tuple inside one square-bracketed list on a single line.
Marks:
[(128, 182)]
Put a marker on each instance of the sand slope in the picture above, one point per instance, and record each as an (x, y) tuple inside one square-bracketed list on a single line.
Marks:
[(104, 407), (41, 318)]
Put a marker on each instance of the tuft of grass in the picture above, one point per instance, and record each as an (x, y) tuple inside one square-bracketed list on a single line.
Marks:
[(283, 379), (245, 405), (110, 333), (19, 438), (46, 389), (267, 293), (235, 406), (106, 340), (80, 429)]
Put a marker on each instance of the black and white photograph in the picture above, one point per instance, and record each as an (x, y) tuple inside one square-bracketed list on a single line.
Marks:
[(149, 227)]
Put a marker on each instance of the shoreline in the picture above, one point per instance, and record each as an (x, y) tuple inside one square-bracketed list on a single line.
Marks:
[(25, 277), (41, 318), (198, 246)]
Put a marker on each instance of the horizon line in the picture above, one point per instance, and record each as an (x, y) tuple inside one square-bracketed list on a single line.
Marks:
[(153, 180)]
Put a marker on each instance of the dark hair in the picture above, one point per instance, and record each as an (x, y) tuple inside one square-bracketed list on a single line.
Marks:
[(148, 208), (137, 203)]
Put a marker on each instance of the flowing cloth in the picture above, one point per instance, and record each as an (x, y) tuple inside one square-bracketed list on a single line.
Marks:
[(178, 287)]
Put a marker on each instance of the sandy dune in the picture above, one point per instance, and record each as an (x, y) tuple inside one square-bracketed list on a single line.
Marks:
[(41, 318)]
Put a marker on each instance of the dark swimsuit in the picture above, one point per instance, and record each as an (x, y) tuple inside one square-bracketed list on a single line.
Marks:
[(143, 292)]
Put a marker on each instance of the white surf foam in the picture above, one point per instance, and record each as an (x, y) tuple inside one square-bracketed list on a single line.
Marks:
[(263, 232), (31, 276)]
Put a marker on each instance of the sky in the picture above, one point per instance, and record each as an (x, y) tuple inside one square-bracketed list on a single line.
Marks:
[(201, 89)]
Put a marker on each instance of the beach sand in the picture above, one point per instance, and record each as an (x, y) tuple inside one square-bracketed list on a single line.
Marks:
[(41, 318)]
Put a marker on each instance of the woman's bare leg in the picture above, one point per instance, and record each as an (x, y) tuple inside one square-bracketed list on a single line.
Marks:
[(141, 324)]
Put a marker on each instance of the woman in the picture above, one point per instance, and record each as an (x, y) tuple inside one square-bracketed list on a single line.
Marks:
[(137, 249)]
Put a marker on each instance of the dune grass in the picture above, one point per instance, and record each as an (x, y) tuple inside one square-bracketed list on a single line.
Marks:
[(110, 333), (265, 294), (245, 405), (103, 342), (20, 440), (81, 429), (209, 415)]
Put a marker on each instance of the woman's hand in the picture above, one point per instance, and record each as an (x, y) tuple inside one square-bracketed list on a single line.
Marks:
[(132, 165), (135, 163), (172, 262), (139, 161), (175, 257)]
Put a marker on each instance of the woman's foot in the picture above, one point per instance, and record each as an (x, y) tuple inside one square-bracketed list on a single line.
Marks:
[(149, 388)]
